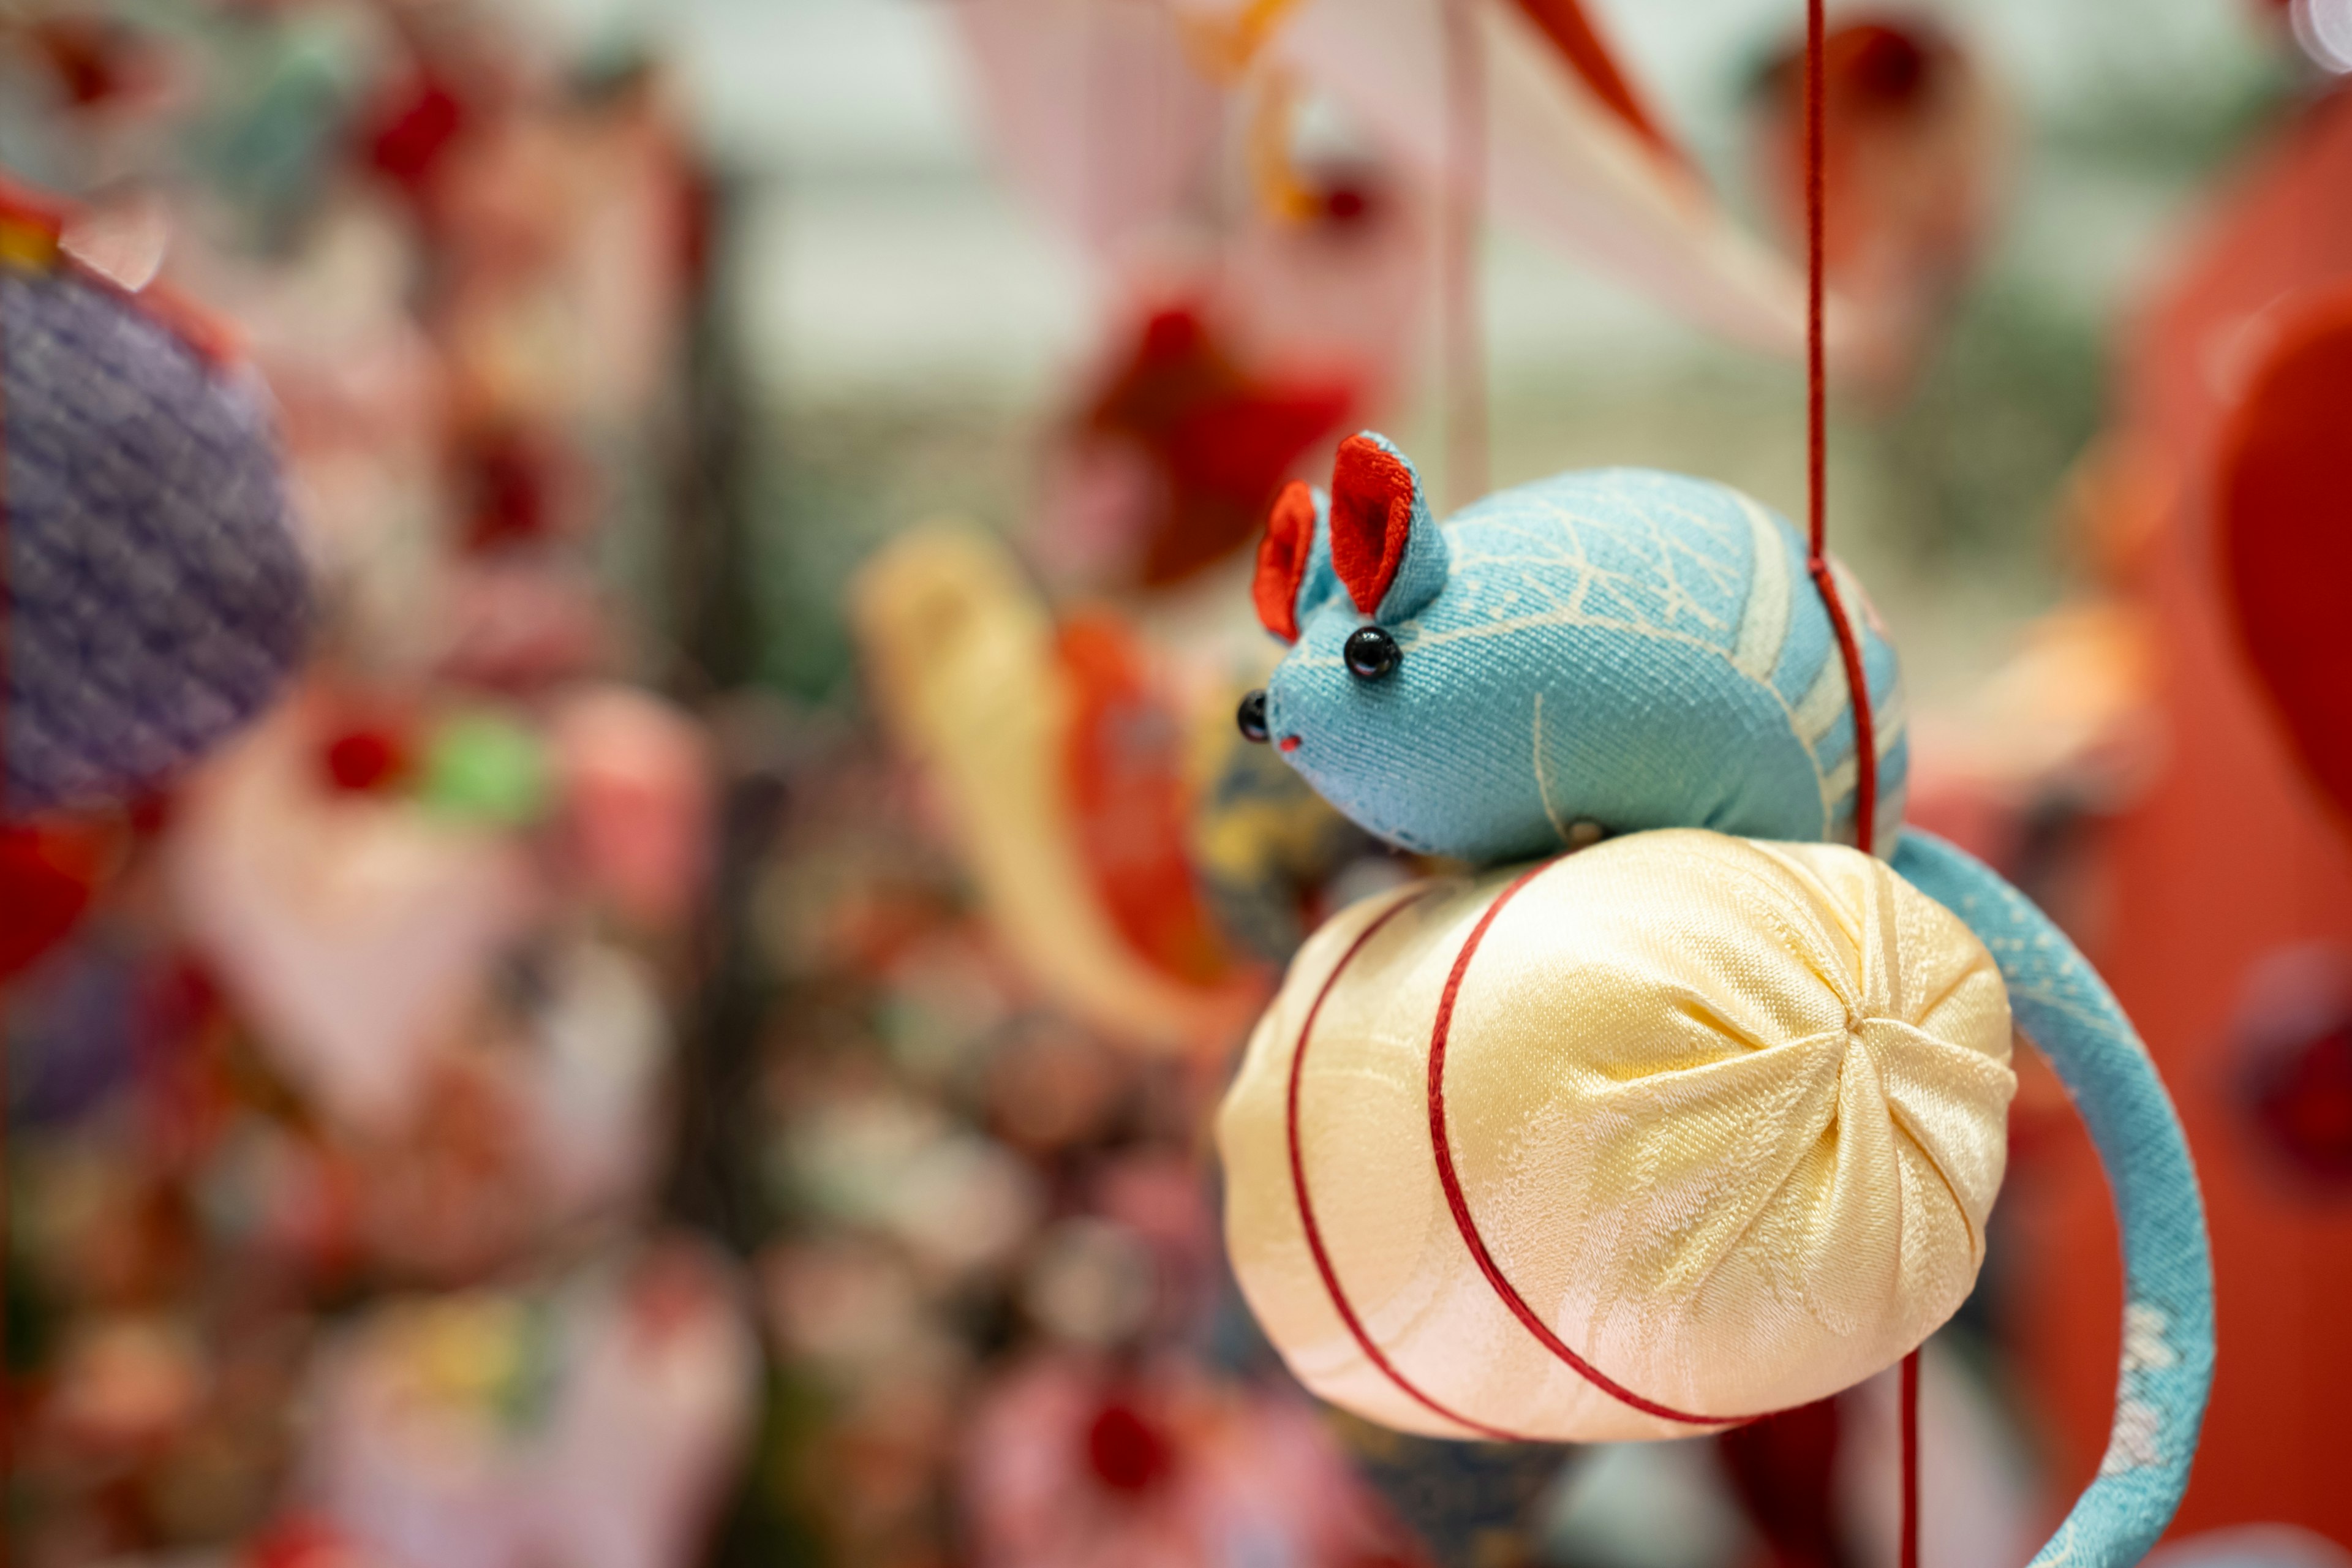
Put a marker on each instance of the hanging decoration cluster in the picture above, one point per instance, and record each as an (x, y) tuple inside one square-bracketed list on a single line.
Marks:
[(1701, 1118)]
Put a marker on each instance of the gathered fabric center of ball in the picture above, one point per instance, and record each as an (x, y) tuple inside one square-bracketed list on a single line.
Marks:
[(1676, 1131)]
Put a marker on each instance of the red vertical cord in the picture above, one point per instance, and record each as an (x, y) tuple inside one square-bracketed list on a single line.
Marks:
[(1911, 1461), (1857, 681), (1816, 372), (1466, 187), (1866, 732), (8, 633)]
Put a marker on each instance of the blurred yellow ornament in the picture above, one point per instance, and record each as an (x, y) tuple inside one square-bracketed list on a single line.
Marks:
[(1673, 1131), (467, 1348), (1000, 708)]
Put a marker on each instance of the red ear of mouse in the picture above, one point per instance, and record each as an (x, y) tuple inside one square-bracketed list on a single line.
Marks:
[(1282, 560), (1371, 519)]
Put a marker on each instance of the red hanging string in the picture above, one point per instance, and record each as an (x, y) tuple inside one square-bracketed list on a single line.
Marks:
[(8, 629), (1865, 738), (1865, 735), (1911, 1461)]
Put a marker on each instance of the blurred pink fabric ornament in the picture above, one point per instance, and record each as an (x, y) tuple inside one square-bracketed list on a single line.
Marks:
[(518, 623), (1240, 333), (1343, 292), (587, 1088), (1072, 1463), (350, 928), (634, 776), (595, 1425), (1098, 114), (1570, 158)]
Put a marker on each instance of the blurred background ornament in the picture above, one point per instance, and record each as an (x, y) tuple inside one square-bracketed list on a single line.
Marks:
[(357, 930), (1573, 154), (1018, 727), (634, 777), (2294, 1034), (156, 597), (2185, 916), (1214, 443), (50, 869), (589, 1419), (1098, 114), (1071, 1461), (2283, 511), (1916, 166)]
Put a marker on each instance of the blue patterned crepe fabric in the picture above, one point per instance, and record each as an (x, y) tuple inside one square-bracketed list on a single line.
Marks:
[(156, 598)]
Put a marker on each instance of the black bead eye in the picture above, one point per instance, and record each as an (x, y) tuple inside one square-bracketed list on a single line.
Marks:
[(1371, 654), (1251, 716)]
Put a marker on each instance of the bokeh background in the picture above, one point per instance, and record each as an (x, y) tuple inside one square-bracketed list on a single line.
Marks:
[(689, 1034)]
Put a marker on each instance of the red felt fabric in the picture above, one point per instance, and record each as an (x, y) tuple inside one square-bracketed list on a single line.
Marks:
[(1282, 558), (1371, 519)]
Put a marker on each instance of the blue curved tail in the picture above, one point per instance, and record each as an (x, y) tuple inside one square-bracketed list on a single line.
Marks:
[(2060, 1003)]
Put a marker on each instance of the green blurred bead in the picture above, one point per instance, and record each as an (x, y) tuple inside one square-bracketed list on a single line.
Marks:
[(486, 766)]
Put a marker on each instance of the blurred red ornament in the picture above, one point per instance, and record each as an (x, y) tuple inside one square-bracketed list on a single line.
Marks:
[(304, 1542), (2227, 855), (1127, 1452), (365, 760), (2284, 494), (49, 872), (2295, 1080), (1912, 170), (94, 59), (416, 131), (1345, 202), (1220, 439), (514, 484), (1123, 757), (2304, 1101), (1782, 1469)]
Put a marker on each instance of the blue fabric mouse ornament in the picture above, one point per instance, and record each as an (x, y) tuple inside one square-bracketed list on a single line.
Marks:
[(1607, 652)]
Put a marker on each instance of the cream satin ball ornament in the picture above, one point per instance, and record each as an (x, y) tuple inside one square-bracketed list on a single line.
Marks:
[(1639, 1143)]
